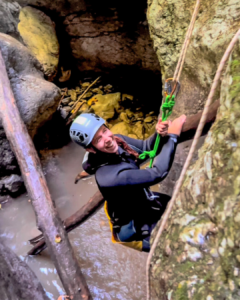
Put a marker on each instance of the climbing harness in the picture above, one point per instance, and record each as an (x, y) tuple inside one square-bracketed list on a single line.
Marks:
[(166, 108), (194, 144)]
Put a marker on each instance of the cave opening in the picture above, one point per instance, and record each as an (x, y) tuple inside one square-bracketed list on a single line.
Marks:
[(107, 40)]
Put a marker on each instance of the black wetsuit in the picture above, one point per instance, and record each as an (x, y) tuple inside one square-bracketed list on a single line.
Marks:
[(134, 210)]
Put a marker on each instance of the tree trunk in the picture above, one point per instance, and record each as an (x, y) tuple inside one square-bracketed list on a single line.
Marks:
[(47, 219), (71, 222), (96, 201), (17, 280)]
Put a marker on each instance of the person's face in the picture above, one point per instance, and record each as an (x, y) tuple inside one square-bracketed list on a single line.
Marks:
[(104, 140)]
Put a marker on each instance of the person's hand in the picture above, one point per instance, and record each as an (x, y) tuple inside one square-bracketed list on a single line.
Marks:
[(177, 124), (162, 127)]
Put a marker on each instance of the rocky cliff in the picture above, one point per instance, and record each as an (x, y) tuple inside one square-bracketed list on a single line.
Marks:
[(198, 254)]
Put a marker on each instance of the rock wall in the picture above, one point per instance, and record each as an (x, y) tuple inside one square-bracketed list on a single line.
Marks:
[(103, 36), (198, 256), (216, 24)]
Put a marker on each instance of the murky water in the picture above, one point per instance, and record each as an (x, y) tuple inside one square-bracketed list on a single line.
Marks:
[(112, 271)]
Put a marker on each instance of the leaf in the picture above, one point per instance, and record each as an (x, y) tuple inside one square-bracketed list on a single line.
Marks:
[(58, 239)]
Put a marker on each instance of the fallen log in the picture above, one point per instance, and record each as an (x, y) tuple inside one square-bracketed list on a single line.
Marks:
[(48, 220), (71, 222), (97, 200)]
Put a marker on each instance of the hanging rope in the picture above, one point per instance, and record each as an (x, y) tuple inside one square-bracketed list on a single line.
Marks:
[(190, 155), (176, 78)]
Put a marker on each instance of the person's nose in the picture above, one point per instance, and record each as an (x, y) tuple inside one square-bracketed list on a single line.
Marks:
[(108, 140)]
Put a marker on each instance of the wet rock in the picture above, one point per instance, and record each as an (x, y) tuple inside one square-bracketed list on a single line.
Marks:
[(27, 79), (39, 35), (120, 128), (127, 97), (124, 117), (85, 85), (72, 94), (137, 129), (97, 91), (148, 120), (108, 87), (84, 108), (129, 113), (9, 12), (106, 105), (12, 184), (65, 101), (87, 95)]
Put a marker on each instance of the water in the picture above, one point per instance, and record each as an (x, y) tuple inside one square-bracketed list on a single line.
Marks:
[(112, 271)]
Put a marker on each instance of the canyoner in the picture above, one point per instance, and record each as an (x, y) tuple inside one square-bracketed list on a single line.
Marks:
[(133, 210)]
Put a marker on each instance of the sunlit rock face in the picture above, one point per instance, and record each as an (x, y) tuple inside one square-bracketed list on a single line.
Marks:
[(39, 35), (198, 255)]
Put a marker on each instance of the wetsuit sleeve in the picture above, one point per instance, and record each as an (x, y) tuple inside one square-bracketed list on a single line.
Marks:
[(140, 145), (144, 178)]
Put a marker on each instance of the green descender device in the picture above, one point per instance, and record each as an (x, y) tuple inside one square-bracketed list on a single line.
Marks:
[(166, 109)]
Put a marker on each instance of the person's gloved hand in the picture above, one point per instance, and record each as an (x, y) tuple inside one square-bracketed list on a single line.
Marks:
[(176, 125), (162, 127)]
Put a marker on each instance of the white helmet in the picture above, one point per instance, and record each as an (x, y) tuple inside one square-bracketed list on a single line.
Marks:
[(84, 127)]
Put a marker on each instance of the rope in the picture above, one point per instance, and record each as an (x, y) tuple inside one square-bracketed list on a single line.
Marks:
[(176, 77), (189, 158), (167, 108)]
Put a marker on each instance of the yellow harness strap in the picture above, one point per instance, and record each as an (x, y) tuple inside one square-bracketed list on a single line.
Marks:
[(137, 245)]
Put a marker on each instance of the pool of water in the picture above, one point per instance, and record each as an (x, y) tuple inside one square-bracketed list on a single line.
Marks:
[(111, 271)]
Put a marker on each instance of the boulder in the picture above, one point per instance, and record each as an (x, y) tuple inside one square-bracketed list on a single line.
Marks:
[(36, 98), (106, 105), (39, 35), (9, 11), (12, 184), (120, 128), (138, 130)]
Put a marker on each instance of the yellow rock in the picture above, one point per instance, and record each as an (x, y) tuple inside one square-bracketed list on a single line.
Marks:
[(39, 35), (138, 130), (120, 128), (127, 97), (106, 105), (133, 136)]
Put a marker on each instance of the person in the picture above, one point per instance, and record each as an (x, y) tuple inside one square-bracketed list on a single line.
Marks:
[(132, 208)]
